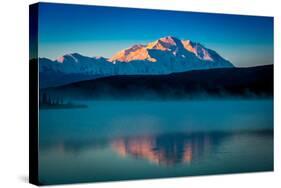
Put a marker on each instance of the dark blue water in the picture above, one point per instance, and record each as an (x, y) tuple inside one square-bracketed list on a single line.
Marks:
[(118, 140)]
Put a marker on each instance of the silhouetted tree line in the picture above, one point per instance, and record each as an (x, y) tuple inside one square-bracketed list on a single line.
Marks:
[(48, 100)]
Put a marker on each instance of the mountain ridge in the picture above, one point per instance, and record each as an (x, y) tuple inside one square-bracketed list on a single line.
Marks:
[(163, 56)]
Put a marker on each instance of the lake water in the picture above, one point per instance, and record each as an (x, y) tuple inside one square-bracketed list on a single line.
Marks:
[(121, 140)]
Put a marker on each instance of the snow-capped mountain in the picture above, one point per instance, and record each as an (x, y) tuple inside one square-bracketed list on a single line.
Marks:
[(163, 56), (181, 50)]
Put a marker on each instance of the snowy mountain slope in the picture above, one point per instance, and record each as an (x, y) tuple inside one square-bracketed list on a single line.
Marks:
[(163, 56)]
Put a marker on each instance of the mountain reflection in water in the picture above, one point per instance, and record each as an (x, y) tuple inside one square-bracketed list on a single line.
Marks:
[(163, 149), (167, 149)]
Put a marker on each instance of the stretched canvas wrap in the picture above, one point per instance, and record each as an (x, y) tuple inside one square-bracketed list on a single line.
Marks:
[(125, 93)]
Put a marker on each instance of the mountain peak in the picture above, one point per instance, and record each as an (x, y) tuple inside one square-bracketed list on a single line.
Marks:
[(169, 39), (173, 47), (164, 43), (72, 57)]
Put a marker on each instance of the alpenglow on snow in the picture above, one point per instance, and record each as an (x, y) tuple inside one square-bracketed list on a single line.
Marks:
[(163, 56)]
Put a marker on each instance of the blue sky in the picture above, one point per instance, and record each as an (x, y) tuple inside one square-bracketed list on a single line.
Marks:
[(102, 31)]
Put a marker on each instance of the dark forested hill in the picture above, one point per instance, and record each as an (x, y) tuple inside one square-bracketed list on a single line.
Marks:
[(223, 82)]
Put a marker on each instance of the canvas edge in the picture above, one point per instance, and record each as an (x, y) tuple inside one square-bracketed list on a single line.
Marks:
[(33, 95)]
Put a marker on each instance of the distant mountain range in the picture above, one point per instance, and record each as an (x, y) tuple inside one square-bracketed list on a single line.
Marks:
[(164, 56), (219, 83)]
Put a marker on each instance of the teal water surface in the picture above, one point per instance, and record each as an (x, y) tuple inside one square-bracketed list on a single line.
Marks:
[(120, 140)]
